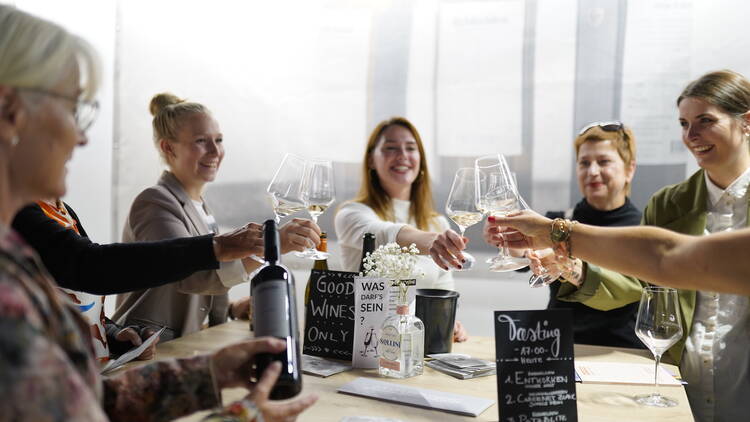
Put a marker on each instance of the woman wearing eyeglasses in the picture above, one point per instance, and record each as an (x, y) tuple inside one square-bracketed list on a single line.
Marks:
[(48, 368), (714, 113)]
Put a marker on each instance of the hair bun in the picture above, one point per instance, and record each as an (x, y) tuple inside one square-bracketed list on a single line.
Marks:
[(161, 101)]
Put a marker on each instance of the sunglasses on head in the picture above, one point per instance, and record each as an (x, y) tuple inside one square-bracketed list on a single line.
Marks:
[(613, 126)]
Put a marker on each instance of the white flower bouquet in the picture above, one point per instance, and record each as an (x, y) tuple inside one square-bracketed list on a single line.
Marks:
[(393, 262)]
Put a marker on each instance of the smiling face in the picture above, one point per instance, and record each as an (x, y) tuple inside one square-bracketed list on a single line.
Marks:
[(396, 160), (47, 134), (603, 176), (196, 155), (717, 139)]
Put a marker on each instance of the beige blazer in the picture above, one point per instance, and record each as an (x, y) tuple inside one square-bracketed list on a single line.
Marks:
[(165, 211)]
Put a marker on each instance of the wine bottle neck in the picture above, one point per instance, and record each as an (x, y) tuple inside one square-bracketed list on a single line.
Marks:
[(271, 241)]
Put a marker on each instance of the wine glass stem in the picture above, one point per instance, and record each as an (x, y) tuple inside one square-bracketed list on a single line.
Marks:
[(657, 358)]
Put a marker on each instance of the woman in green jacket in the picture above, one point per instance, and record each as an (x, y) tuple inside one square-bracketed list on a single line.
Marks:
[(715, 119)]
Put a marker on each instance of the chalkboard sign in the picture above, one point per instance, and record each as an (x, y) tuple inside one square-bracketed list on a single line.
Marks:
[(535, 371), (329, 315)]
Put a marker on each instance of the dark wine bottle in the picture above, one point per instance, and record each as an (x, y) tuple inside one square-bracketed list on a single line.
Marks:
[(368, 246), (320, 264), (275, 315)]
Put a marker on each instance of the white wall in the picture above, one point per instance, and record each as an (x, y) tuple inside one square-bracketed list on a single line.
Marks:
[(90, 171)]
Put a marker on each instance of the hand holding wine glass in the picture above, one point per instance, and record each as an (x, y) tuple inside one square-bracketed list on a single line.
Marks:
[(544, 273), (659, 326)]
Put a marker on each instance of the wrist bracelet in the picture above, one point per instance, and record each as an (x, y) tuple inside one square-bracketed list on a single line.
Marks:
[(560, 235)]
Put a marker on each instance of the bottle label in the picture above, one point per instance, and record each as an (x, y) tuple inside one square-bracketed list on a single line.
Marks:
[(390, 343), (389, 364), (271, 309)]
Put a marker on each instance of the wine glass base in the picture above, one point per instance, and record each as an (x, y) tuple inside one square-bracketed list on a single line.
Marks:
[(655, 400), (468, 263), (508, 263), (312, 254)]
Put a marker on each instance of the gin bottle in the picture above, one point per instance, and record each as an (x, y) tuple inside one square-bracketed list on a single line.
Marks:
[(401, 341)]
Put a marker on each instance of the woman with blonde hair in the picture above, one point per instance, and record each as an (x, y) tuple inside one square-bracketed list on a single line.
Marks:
[(395, 204), (190, 142), (48, 79)]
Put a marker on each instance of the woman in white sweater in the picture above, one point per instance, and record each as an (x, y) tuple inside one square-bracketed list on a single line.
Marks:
[(395, 203)]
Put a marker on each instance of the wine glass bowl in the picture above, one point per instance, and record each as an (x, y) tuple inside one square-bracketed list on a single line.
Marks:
[(317, 193), (284, 190), (497, 196), (659, 326), (461, 207)]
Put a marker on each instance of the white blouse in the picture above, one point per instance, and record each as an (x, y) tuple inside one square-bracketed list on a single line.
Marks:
[(715, 362), (354, 219)]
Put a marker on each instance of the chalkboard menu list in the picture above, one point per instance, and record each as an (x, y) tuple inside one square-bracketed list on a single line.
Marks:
[(535, 371), (329, 315)]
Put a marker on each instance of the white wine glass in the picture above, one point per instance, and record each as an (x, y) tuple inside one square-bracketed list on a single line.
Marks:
[(497, 195), (285, 187), (546, 276), (317, 193), (659, 327), (461, 207)]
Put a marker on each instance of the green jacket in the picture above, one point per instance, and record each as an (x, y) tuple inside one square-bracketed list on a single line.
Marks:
[(681, 208)]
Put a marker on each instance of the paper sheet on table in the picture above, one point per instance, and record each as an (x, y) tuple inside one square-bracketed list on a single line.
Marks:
[(622, 373), (131, 354), (419, 397)]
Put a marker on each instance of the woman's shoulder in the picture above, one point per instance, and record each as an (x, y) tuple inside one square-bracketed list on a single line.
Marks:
[(682, 193), (353, 207), (156, 194)]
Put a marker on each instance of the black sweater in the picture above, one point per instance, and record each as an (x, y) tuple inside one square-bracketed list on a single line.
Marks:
[(615, 327), (77, 263)]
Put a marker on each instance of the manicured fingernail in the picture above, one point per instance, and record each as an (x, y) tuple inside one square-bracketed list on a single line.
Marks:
[(491, 219), (460, 267), (463, 261)]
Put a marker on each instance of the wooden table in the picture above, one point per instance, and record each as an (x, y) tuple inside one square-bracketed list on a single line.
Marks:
[(596, 402)]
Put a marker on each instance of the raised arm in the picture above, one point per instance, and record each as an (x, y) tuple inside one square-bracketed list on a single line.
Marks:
[(716, 262)]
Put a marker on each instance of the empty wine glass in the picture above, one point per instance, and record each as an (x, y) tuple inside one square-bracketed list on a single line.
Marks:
[(659, 326), (317, 193), (285, 187), (546, 277), (461, 207), (497, 195)]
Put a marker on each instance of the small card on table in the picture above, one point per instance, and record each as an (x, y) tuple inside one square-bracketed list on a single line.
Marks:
[(623, 373), (419, 397), (322, 367)]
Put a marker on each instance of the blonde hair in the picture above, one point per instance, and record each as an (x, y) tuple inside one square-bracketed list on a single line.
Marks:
[(36, 53), (622, 139), (372, 194), (169, 111)]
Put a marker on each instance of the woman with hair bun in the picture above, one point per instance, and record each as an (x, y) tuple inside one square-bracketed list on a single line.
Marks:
[(190, 142)]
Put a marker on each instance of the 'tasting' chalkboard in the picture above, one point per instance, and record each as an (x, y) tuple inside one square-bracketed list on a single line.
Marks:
[(535, 371), (329, 315)]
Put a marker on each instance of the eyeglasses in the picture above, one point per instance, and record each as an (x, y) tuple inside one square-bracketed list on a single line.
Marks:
[(85, 111), (612, 126)]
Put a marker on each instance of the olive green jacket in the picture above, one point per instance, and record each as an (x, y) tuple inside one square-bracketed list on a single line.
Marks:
[(681, 208)]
